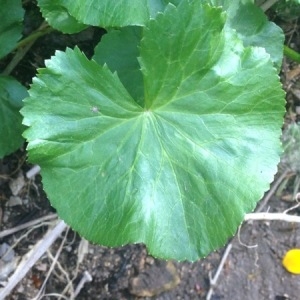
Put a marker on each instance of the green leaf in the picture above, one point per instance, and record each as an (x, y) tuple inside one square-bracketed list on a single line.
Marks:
[(58, 16), (11, 16), (119, 49), (287, 9), (177, 173), (11, 95), (253, 27), (156, 6), (117, 13)]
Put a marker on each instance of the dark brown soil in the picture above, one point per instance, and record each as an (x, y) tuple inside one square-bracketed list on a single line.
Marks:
[(128, 272)]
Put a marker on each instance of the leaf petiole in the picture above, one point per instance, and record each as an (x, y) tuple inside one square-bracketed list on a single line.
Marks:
[(292, 54)]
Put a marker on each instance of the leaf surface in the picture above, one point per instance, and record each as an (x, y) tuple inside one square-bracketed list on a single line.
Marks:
[(11, 95), (117, 13), (57, 15), (177, 172), (11, 16)]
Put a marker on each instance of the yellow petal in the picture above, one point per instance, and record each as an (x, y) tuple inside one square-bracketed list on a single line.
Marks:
[(291, 261)]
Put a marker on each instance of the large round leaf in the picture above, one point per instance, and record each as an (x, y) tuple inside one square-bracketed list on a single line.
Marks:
[(11, 95), (11, 16), (177, 173)]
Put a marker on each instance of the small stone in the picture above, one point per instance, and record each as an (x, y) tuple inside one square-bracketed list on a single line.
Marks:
[(14, 201), (42, 267), (6, 253), (160, 277), (296, 93), (8, 261), (17, 184), (83, 249)]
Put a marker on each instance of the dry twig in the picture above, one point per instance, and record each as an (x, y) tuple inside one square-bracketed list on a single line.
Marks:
[(213, 281), (54, 262), (272, 217), (10, 231), (32, 257), (85, 278), (268, 4)]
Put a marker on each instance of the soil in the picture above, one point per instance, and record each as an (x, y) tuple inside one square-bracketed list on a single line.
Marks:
[(253, 268)]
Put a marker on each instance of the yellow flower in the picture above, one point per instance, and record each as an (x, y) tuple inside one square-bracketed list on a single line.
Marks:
[(291, 261)]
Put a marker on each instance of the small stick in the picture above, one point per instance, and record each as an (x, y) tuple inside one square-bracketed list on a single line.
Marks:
[(32, 257), (33, 171), (268, 4), (213, 281), (55, 294), (54, 262), (85, 278), (10, 231), (272, 217)]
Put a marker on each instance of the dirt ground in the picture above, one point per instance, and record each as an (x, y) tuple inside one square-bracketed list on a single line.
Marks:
[(252, 270)]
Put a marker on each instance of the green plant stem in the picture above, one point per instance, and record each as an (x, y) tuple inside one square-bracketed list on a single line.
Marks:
[(24, 45), (17, 58), (292, 54), (34, 36)]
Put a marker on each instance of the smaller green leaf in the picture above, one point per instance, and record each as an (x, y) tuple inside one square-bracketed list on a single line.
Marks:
[(11, 16), (58, 16), (119, 49), (11, 95), (287, 9), (156, 6), (253, 27)]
